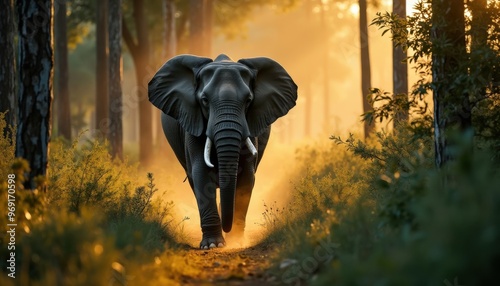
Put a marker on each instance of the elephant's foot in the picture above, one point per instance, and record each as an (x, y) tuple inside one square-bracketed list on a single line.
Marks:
[(212, 239)]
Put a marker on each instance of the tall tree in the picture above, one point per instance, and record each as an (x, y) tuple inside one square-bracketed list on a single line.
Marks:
[(451, 104), (325, 65), (7, 62), (101, 95), (169, 50), (365, 65), (140, 50), (208, 11), (169, 37), (115, 132), (196, 27), (61, 71), (399, 65), (308, 7), (35, 86)]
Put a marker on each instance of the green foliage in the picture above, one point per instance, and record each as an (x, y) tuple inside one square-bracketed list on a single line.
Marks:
[(393, 181), (458, 227), (84, 176), (476, 76), (401, 223), (409, 223), (95, 222), (67, 249), (79, 19), (7, 146), (326, 183)]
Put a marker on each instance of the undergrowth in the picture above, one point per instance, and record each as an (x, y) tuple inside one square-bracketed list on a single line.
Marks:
[(97, 223), (381, 214)]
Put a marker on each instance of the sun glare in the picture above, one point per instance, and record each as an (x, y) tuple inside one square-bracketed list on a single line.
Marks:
[(354, 9)]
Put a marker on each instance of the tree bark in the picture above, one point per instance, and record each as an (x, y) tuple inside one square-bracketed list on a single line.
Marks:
[(451, 106), (365, 65), (61, 71), (101, 95), (7, 64), (140, 51), (115, 134), (35, 86), (399, 66)]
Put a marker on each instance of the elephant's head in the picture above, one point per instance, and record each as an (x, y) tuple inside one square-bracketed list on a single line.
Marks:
[(227, 102)]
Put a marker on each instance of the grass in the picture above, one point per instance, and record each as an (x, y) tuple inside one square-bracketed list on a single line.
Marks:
[(100, 219), (360, 214), (381, 214)]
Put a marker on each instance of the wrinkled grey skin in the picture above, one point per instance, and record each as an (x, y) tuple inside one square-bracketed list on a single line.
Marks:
[(226, 102)]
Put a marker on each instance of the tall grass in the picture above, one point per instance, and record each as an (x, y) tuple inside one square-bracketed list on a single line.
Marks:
[(98, 221), (380, 214)]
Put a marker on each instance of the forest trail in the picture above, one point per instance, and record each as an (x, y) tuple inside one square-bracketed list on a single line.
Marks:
[(226, 266)]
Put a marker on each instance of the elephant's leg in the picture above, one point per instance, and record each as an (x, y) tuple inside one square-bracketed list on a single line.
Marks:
[(262, 141), (202, 180), (175, 136)]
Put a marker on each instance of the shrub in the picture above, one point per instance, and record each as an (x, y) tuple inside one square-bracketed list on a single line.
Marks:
[(458, 222), (7, 147), (67, 249), (94, 221), (86, 175)]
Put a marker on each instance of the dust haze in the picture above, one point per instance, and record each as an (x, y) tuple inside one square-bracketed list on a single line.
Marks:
[(310, 45)]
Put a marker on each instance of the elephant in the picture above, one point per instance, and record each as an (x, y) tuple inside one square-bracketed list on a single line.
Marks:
[(228, 105)]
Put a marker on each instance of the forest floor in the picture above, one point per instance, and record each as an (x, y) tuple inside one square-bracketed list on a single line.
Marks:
[(229, 266)]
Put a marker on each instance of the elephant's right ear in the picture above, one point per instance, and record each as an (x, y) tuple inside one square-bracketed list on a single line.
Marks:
[(173, 88)]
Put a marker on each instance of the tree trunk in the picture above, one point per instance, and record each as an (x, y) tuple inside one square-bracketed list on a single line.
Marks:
[(7, 64), (308, 78), (196, 27), (35, 86), (399, 66), (140, 51), (365, 65), (325, 68), (451, 106), (115, 134), (208, 8), (101, 95), (481, 20), (169, 38), (61, 71), (169, 50)]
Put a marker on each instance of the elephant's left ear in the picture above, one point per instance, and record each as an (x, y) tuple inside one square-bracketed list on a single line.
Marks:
[(275, 93)]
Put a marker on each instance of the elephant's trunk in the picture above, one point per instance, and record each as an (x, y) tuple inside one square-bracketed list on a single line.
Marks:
[(228, 153), (227, 141)]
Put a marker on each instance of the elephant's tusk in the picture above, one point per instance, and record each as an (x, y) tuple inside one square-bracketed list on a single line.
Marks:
[(208, 149), (251, 147)]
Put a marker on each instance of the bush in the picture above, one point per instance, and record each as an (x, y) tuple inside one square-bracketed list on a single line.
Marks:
[(94, 222), (405, 223), (86, 175), (458, 220), (67, 249)]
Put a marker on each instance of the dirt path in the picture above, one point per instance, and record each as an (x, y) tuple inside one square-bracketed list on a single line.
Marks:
[(243, 266)]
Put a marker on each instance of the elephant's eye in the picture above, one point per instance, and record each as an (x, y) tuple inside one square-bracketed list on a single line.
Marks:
[(204, 100), (249, 100)]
